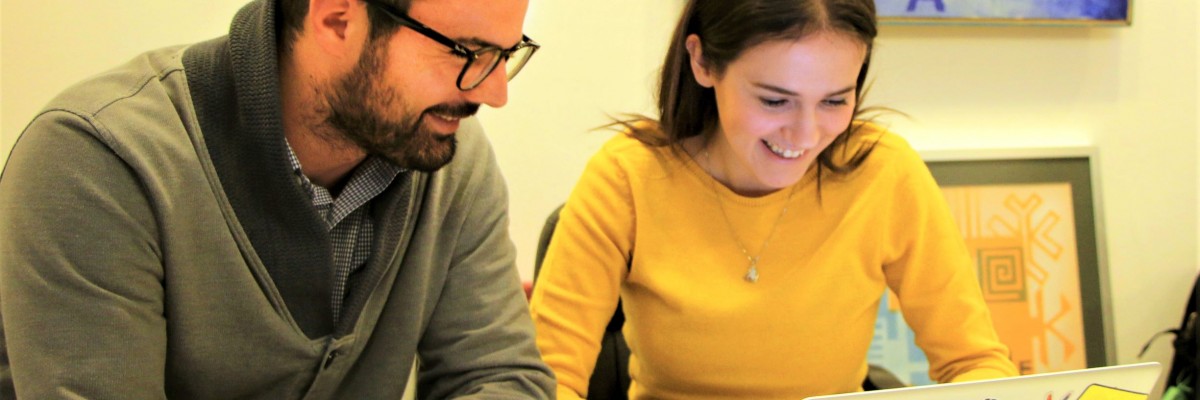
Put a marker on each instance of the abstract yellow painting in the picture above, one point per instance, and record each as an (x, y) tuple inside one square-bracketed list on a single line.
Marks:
[(1022, 240), (1030, 224)]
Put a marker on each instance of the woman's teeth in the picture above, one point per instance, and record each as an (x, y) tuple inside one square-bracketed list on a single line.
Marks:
[(782, 152)]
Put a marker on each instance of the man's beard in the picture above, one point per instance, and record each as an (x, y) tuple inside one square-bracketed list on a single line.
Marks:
[(354, 110)]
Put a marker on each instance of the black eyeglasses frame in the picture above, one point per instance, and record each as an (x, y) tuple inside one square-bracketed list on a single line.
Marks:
[(458, 49)]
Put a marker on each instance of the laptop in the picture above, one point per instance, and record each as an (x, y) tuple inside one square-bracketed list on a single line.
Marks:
[(1122, 382)]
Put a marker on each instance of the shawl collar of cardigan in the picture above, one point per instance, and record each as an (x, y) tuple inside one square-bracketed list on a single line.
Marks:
[(234, 84)]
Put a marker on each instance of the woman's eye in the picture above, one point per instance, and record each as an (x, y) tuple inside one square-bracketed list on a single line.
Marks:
[(773, 103), (835, 102)]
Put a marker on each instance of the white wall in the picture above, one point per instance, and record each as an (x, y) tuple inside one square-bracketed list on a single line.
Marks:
[(597, 59), (1130, 92)]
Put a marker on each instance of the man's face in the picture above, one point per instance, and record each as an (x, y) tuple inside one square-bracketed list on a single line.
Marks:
[(401, 100)]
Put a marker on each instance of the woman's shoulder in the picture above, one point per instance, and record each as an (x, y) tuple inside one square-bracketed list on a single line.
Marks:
[(629, 147), (885, 146), (629, 157), (888, 153), (622, 143)]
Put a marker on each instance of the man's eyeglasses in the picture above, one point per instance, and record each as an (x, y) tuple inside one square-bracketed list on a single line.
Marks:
[(481, 62)]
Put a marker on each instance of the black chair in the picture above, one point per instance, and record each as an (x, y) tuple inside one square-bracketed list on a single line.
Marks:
[(610, 378)]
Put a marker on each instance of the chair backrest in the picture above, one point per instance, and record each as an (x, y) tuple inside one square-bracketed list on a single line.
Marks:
[(610, 378)]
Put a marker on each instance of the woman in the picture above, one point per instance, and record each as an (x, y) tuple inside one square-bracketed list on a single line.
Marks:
[(752, 229)]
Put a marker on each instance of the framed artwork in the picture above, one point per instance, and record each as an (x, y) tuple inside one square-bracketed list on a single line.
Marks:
[(1006, 12), (1030, 221)]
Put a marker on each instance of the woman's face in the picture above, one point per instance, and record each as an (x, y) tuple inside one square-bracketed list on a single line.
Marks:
[(781, 103)]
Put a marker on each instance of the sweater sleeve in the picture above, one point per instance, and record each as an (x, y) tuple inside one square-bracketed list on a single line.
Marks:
[(479, 343), (81, 294), (931, 273), (579, 284)]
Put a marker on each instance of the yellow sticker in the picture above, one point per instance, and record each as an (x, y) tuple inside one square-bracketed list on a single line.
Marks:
[(1099, 392)]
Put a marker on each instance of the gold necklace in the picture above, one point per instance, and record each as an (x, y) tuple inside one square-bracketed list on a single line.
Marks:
[(751, 271)]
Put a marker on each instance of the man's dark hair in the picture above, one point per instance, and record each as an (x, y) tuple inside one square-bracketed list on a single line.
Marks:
[(291, 15)]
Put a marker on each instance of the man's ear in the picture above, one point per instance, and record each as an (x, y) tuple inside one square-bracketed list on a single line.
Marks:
[(696, 57), (338, 27)]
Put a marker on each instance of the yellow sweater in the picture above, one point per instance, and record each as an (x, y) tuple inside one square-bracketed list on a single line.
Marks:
[(697, 330)]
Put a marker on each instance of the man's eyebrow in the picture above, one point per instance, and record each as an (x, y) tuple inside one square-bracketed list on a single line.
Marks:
[(475, 41), (478, 43), (787, 92)]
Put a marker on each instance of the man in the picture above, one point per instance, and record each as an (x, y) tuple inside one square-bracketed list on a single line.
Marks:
[(296, 210)]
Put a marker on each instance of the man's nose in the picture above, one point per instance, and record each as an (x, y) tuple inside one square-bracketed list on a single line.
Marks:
[(493, 91)]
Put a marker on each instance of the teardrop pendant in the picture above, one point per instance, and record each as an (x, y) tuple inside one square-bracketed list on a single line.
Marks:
[(752, 274)]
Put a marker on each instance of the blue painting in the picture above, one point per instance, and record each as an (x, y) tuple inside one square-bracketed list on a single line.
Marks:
[(894, 347), (1014, 11)]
